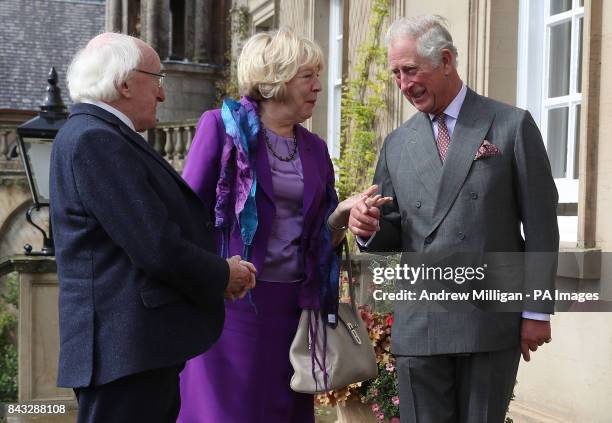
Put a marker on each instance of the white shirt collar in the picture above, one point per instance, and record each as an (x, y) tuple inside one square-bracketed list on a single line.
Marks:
[(454, 107), (112, 110)]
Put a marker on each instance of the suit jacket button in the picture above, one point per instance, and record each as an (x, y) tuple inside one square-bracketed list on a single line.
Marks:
[(418, 204), (428, 240), (461, 236), (473, 195)]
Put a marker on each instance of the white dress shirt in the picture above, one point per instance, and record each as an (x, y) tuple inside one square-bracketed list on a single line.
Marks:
[(451, 112), (111, 109)]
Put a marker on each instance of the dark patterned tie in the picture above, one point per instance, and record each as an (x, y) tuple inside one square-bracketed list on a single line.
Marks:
[(443, 139)]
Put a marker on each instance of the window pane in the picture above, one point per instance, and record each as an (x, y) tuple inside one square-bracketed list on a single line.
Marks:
[(579, 76), (581, 3), (559, 62), (556, 141), (577, 145), (559, 6)]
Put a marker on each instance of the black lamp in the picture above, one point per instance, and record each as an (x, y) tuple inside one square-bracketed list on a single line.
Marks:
[(35, 138)]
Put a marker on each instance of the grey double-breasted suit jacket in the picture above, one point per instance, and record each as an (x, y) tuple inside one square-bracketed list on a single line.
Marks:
[(469, 205)]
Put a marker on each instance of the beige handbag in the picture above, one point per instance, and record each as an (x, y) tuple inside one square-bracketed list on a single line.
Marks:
[(349, 356)]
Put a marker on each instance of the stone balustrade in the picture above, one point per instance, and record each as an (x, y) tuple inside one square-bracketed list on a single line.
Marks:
[(10, 165), (5, 137), (173, 140)]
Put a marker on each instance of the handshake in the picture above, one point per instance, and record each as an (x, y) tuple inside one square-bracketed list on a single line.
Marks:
[(360, 213), (241, 278)]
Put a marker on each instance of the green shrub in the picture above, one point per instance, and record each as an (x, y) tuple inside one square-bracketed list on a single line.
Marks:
[(364, 99), (9, 299)]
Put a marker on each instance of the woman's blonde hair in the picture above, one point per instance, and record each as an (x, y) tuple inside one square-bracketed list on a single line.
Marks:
[(271, 59)]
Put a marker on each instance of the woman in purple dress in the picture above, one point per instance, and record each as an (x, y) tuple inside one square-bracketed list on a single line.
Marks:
[(270, 184)]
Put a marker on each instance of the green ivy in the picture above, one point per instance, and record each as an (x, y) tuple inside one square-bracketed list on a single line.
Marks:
[(363, 100), (9, 300), (227, 86)]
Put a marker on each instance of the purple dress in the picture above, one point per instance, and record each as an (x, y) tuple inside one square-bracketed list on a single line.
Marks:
[(244, 377)]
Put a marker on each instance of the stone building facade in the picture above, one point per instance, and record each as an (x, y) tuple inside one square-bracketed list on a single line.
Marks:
[(34, 36), (191, 37)]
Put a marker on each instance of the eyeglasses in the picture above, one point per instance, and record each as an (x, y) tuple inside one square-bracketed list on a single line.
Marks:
[(160, 76)]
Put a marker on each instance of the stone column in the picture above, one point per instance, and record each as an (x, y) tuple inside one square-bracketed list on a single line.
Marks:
[(164, 27), (202, 31), (113, 15), (189, 26), (143, 19), (125, 16), (155, 26), (38, 348), (4, 147)]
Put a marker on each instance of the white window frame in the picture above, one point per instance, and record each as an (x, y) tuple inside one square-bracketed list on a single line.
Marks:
[(532, 92), (334, 76)]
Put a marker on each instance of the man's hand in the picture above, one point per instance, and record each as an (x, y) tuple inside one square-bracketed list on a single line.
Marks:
[(365, 213), (534, 333), (340, 216), (241, 278)]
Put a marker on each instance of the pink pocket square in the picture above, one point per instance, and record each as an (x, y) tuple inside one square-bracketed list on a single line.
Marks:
[(487, 149)]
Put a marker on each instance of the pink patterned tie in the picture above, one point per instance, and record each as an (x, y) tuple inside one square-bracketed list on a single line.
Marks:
[(443, 139)]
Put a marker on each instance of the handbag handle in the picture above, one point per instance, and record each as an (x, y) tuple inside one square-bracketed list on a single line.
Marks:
[(349, 271)]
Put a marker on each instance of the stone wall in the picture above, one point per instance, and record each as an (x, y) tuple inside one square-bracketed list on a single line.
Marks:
[(15, 198), (191, 38), (190, 90), (15, 231)]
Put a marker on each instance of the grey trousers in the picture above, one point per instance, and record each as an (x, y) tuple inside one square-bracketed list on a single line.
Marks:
[(457, 388)]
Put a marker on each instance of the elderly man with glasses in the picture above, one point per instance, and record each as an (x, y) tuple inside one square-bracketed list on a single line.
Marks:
[(141, 287)]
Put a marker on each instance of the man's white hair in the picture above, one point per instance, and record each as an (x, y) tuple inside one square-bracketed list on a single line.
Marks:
[(103, 65), (430, 33)]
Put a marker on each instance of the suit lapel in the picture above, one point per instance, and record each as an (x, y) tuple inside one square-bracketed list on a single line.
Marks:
[(309, 168), (422, 151), (262, 167), (470, 130)]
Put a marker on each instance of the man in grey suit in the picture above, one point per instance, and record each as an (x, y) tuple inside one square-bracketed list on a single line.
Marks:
[(464, 172)]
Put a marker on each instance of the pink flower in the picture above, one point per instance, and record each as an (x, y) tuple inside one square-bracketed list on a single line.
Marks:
[(395, 400), (374, 392), (395, 420), (390, 367), (375, 408), (389, 320), (380, 416)]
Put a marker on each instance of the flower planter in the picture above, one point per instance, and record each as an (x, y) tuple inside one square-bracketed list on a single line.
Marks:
[(381, 392), (356, 412)]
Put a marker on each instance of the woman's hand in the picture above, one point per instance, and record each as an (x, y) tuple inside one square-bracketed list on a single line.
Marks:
[(338, 220), (365, 213)]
